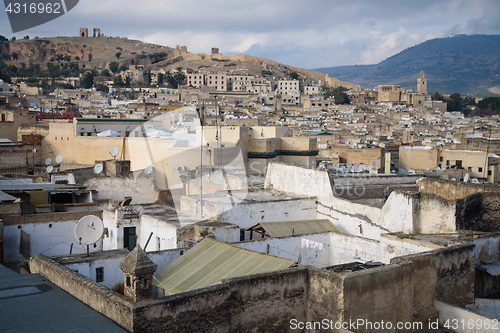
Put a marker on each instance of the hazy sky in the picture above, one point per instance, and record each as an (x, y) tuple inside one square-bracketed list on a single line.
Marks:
[(307, 34)]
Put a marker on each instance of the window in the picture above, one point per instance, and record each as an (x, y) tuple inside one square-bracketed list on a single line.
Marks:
[(99, 274), (480, 169), (128, 282), (441, 159), (489, 172)]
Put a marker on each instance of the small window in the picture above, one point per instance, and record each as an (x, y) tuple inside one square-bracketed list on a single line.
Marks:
[(99, 274), (489, 172), (441, 159), (128, 282), (480, 169)]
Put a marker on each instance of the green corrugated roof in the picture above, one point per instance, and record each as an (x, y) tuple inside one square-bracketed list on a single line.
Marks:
[(279, 229), (210, 261)]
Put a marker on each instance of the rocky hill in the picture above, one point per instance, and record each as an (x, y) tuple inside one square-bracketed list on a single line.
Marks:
[(463, 64), (103, 50)]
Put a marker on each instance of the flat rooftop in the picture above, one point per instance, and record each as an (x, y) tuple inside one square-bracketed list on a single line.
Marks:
[(31, 303)]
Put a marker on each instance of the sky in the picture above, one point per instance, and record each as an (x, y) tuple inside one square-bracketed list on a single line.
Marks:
[(306, 34)]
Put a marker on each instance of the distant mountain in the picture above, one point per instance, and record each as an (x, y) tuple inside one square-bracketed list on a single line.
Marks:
[(463, 64)]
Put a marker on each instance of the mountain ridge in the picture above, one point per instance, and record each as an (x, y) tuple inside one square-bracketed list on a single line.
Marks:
[(467, 64)]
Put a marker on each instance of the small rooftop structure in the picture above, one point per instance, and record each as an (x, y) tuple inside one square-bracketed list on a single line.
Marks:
[(291, 228), (210, 261)]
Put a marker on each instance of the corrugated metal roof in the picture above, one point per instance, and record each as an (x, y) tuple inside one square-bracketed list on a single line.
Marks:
[(279, 229), (210, 261)]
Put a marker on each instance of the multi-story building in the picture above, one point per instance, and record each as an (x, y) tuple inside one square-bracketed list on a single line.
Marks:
[(286, 87), (217, 81), (195, 80)]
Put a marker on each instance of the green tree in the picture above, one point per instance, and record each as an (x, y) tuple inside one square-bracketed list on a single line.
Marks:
[(160, 78), (13, 39), (113, 66), (105, 72), (118, 81), (26, 37), (265, 72), (88, 80), (67, 58), (127, 81), (294, 75), (454, 102), (436, 96), (340, 96), (77, 58), (3, 39), (122, 68), (117, 55), (90, 56)]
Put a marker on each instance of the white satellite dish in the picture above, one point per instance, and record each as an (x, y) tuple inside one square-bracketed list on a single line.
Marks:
[(113, 151), (427, 169), (453, 179), (466, 178), (89, 230), (148, 170), (34, 150), (438, 169), (443, 169), (98, 168), (375, 164), (50, 169), (59, 159), (349, 165), (474, 181), (354, 167), (47, 161)]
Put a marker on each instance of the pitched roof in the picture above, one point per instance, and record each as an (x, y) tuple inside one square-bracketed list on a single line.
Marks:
[(290, 228), (210, 261), (137, 262)]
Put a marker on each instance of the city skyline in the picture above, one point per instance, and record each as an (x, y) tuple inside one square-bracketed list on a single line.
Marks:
[(306, 35)]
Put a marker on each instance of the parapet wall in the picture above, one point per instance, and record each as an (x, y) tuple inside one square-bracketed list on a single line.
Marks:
[(452, 190)]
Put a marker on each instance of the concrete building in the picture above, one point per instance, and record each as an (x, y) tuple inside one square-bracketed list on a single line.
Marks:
[(287, 87)]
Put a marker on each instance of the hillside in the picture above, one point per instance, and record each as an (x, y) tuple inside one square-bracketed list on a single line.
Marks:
[(463, 64), (64, 51)]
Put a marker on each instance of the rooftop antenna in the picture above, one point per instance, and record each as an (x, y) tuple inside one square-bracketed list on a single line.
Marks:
[(98, 168), (113, 152), (89, 230)]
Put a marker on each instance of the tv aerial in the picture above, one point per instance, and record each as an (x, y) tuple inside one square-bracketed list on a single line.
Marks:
[(48, 161), (98, 168), (89, 230), (113, 152)]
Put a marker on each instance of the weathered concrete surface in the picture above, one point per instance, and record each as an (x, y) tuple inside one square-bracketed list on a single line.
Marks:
[(452, 190)]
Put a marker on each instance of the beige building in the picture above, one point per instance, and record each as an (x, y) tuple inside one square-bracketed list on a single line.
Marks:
[(477, 164), (195, 80), (286, 87), (389, 93), (217, 81)]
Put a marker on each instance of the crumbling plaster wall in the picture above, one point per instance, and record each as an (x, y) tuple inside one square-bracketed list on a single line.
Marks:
[(142, 189), (452, 190)]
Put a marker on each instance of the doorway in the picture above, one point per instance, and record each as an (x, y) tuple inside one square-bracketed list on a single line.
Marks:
[(129, 238)]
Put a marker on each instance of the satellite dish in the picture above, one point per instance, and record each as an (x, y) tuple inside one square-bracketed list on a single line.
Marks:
[(443, 169), (427, 169), (98, 168), (375, 164), (453, 179), (50, 169), (113, 151), (59, 159), (349, 165), (474, 181), (466, 178), (148, 170), (89, 230), (354, 167), (47, 161), (438, 169)]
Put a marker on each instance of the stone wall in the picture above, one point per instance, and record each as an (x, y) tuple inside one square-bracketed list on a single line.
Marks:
[(478, 212), (452, 190), (446, 274)]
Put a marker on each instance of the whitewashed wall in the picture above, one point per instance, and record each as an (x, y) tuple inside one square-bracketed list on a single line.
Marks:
[(164, 234)]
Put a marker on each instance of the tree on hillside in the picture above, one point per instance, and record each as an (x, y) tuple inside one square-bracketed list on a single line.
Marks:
[(436, 96), (26, 37), (117, 55), (105, 72), (340, 96), (88, 80), (118, 81), (489, 104), (294, 75), (3, 39), (14, 55), (90, 56), (13, 39), (160, 78), (113, 66)]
